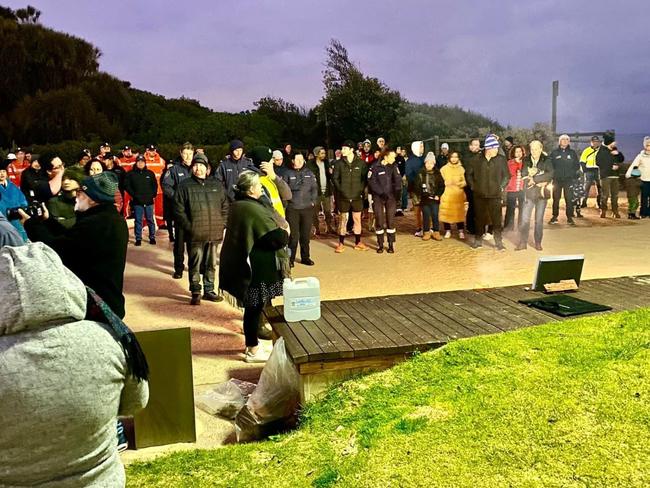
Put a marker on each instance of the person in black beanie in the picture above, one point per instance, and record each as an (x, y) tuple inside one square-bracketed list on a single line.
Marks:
[(232, 166), (140, 183), (94, 248)]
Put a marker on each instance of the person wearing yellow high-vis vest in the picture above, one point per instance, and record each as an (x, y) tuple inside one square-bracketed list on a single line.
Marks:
[(277, 190), (591, 169)]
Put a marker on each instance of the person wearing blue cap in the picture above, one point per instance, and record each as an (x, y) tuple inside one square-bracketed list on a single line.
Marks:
[(487, 177)]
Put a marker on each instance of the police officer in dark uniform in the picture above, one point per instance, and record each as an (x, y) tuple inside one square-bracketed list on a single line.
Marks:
[(385, 185)]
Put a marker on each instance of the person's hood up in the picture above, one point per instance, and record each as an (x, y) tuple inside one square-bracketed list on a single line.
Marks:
[(37, 290), (416, 149)]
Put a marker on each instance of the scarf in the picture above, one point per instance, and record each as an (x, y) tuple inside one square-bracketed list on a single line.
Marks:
[(98, 311)]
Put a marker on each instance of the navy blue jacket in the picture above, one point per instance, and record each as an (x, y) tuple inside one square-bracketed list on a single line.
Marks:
[(229, 170), (384, 180), (304, 188), (173, 177), (566, 163)]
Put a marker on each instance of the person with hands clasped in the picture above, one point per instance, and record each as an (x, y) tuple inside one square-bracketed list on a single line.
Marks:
[(429, 187), (385, 186)]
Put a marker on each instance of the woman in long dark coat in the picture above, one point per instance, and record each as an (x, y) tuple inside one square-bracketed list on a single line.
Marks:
[(249, 269)]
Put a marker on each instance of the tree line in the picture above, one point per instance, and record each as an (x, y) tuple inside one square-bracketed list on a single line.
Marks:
[(53, 92)]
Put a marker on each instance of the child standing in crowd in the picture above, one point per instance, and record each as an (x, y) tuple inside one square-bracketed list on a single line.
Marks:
[(515, 187), (452, 202), (430, 186)]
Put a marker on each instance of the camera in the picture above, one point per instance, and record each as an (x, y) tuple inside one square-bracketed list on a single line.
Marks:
[(33, 210)]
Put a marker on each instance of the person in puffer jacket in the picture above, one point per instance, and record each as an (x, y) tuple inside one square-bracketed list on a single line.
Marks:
[(232, 166), (201, 210), (413, 166), (429, 187), (300, 209), (141, 185), (385, 186)]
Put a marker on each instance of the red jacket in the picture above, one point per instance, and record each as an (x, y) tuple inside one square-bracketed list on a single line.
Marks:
[(515, 183)]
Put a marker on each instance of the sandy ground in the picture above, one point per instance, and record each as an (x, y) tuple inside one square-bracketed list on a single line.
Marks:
[(154, 300)]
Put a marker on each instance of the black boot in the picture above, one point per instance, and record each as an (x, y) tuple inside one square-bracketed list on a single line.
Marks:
[(380, 243), (391, 242)]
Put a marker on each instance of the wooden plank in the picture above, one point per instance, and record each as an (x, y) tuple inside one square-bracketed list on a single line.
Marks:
[(280, 327), (332, 335), (477, 324), (329, 348), (427, 312), (313, 349), (486, 314), (341, 328), (531, 314), (377, 340), (425, 332), (363, 316), (515, 294), (626, 292), (367, 362), (510, 316), (405, 335), (593, 293)]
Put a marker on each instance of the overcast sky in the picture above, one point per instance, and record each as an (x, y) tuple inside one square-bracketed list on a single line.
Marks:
[(497, 58)]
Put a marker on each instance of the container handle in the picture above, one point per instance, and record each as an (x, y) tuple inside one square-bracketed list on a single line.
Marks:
[(300, 280)]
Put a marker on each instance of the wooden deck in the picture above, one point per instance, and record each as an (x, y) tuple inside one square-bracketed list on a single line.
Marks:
[(375, 332)]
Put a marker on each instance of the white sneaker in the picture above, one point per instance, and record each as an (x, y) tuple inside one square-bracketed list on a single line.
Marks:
[(447, 234), (418, 234), (489, 236), (260, 356), (461, 234)]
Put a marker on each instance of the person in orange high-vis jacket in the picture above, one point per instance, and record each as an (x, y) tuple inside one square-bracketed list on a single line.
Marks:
[(156, 164)]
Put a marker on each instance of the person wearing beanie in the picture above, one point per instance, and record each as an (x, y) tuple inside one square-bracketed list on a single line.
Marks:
[(639, 171), (508, 143), (609, 175), (94, 248), (349, 183), (429, 187), (141, 185), (443, 157), (61, 207), (232, 166), (591, 169), (488, 176), (201, 210), (323, 172), (412, 168)]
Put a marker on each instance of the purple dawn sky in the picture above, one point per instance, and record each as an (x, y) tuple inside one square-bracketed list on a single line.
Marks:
[(497, 58)]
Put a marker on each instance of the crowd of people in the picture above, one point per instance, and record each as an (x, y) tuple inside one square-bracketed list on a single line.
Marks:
[(64, 240)]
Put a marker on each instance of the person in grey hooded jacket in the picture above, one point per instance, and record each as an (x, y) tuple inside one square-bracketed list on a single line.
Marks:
[(63, 380)]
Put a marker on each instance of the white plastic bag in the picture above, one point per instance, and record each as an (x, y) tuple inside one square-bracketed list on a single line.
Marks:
[(274, 403), (226, 399)]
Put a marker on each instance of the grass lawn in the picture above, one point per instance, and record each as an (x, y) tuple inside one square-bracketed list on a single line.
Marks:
[(559, 405)]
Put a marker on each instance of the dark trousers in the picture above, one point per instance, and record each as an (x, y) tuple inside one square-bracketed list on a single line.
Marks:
[(168, 215), (645, 199), (514, 201), (145, 211), (430, 210), (384, 208), (202, 258), (252, 317), (610, 188), (324, 202), (470, 218), (487, 211), (300, 226), (560, 186), (592, 176), (181, 243), (527, 211), (459, 225)]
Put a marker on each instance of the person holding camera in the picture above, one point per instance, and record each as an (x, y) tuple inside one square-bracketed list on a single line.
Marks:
[(11, 199), (94, 248)]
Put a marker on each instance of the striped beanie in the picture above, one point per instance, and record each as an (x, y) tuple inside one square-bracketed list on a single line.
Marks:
[(491, 142)]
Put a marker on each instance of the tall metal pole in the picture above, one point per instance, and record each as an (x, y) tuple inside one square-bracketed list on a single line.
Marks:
[(556, 91)]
